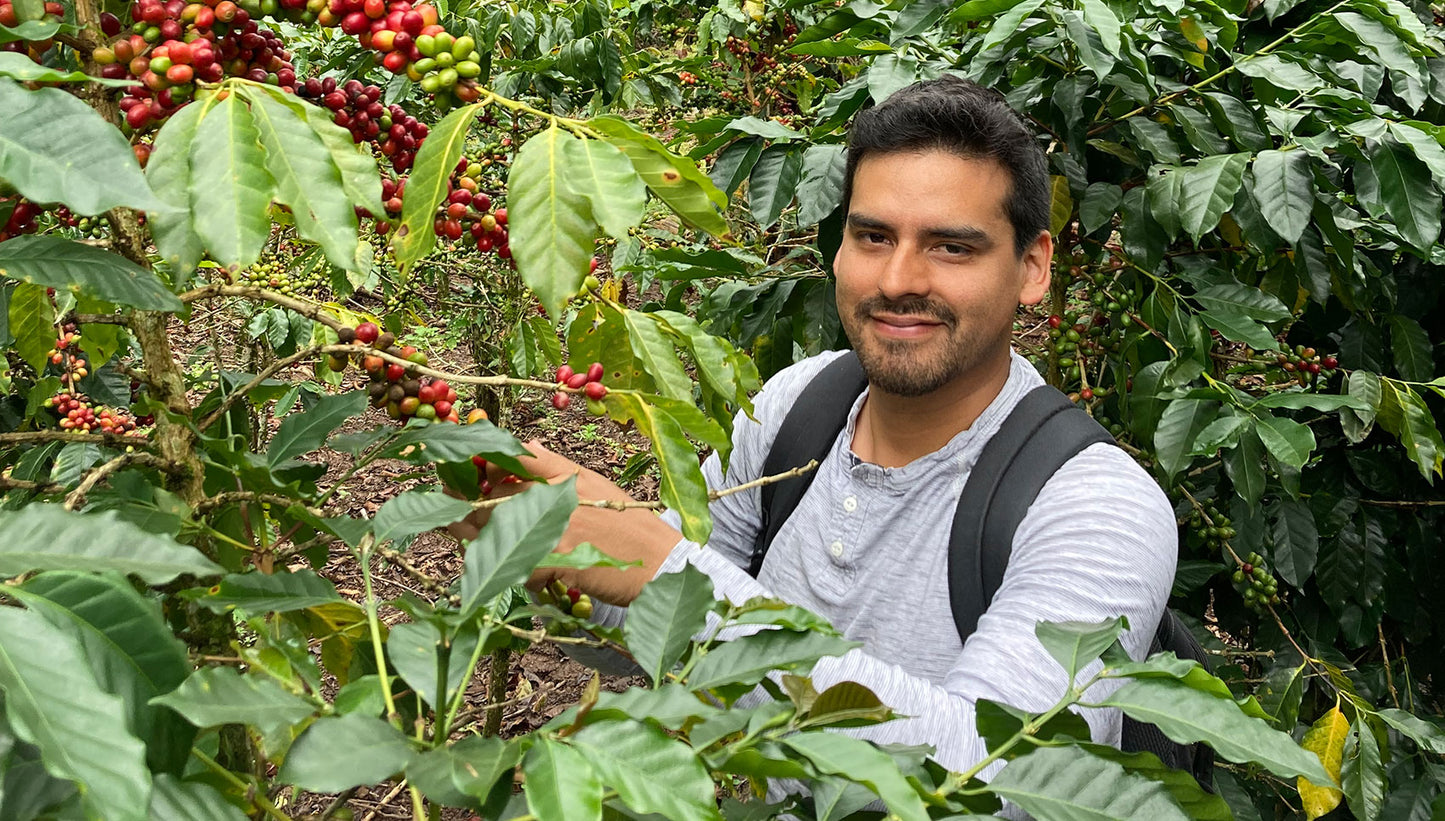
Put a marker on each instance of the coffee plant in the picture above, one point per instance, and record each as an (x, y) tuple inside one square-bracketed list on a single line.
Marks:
[(1247, 198)]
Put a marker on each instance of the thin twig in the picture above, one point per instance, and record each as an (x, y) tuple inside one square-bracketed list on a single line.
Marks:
[(125, 460), (112, 439), (1389, 676), (395, 791), (306, 309), (275, 367), (6, 483), (232, 496)]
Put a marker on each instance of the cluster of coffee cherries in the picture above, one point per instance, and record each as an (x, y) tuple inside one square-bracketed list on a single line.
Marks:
[(78, 414), (589, 382), (10, 18), (358, 108), (394, 386), (271, 273), (484, 482), (467, 210), (174, 44), (1258, 586), (570, 600), (687, 78), (1301, 364), (413, 43), (66, 355), (88, 227)]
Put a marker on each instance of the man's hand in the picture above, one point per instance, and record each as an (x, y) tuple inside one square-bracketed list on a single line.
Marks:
[(629, 535)]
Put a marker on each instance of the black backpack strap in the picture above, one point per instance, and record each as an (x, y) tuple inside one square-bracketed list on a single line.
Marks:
[(1044, 431), (818, 415)]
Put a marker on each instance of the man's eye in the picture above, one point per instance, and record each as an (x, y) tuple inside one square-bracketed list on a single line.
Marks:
[(872, 237), (954, 249)]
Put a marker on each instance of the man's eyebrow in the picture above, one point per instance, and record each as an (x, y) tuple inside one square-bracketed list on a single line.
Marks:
[(959, 233)]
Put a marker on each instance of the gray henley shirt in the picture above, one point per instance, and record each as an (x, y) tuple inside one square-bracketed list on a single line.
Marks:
[(867, 548)]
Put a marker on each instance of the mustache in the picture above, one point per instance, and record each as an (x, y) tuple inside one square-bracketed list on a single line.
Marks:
[(908, 306)]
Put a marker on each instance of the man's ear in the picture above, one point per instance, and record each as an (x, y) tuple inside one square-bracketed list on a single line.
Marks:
[(1037, 261)]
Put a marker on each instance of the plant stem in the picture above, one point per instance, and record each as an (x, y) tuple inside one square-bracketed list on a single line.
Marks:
[(259, 800), (374, 623)]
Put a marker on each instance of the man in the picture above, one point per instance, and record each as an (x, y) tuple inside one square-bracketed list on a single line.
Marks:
[(947, 201)]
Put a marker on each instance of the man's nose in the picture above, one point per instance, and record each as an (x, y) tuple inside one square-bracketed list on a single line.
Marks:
[(903, 274)]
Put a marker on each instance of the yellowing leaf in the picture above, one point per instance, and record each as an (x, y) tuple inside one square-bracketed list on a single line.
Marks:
[(1061, 203), (1325, 739)]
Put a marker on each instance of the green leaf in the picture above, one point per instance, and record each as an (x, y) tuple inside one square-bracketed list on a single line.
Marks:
[(999, 723), (1410, 199), (424, 444), (213, 696), (470, 767), (1299, 400), (602, 174), (1008, 24), (357, 165), (1363, 773), (18, 66), (656, 354), (1281, 696), (1405, 414), (176, 800), (304, 432), (1101, 201), (651, 771), (676, 180), (758, 127), (664, 617), (55, 148), (746, 660), (336, 754), (561, 784), (1413, 352), (1103, 20), (864, 763), (230, 187), (1237, 327), (1075, 644), (845, 47), (1072, 783), (427, 186), (32, 323), (1278, 72), (1296, 541), (1179, 427), (46, 537), (1245, 466), (1251, 302), (1197, 804), (1208, 190), (415, 651), (1288, 441), (257, 593), (682, 487), (1188, 672), (1429, 736), (518, 535), (1387, 47), (1187, 716), (417, 511), (53, 701), (551, 225), (734, 163), (85, 270), (169, 172), (1284, 188), (773, 182), (130, 648), (307, 181)]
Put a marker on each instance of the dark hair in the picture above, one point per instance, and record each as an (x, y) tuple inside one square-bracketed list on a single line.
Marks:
[(962, 117)]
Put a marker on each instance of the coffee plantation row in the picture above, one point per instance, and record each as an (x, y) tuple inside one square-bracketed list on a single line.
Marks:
[(1246, 200)]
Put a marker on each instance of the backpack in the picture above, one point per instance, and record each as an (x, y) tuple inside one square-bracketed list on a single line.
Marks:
[(1043, 432)]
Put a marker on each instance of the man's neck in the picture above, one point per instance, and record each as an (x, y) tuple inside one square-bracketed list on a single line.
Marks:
[(894, 430)]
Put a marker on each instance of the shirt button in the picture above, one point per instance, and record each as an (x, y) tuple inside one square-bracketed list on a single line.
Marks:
[(836, 548), (850, 504)]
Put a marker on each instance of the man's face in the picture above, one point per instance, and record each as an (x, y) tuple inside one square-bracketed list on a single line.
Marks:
[(928, 280)]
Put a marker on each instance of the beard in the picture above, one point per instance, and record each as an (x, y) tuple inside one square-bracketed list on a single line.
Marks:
[(911, 368)]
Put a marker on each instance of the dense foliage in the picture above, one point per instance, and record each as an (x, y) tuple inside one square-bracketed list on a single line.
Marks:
[(1247, 200)]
